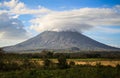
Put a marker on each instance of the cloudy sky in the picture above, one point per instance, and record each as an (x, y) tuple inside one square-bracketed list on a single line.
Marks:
[(23, 19)]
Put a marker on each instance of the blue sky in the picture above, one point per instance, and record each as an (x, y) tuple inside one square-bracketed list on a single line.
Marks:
[(55, 4), (98, 19)]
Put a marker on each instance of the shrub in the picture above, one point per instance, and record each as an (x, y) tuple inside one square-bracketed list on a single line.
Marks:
[(72, 63), (62, 63)]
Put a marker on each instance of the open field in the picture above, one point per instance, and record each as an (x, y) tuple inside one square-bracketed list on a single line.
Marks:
[(90, 61)]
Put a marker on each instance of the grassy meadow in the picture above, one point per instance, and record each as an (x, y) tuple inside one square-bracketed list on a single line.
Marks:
[(87, 61)]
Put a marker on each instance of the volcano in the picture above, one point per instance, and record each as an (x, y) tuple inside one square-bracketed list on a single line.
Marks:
[(64, 40)]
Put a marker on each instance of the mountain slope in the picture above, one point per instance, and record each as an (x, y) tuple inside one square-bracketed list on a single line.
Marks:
[(60, 40)]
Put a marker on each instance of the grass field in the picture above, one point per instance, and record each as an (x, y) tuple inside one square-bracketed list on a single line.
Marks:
[(90, 61)]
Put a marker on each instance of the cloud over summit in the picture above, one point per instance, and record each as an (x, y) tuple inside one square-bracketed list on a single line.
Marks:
[(77, 20)]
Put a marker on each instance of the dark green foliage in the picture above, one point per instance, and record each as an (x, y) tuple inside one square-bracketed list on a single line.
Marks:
[(118, 70), (51, 54), (47, 63), (88, 54), (9, 66), (76, 72), (27, 64), (13, 64), (46, 54), (62, 63), (72, 63)]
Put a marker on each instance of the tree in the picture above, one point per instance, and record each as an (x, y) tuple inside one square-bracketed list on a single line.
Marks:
[(72, 63), (27, 64), (47, 63), (62, 63), (1, 53), (47, 54)]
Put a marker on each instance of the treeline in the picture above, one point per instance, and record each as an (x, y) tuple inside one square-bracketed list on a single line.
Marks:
[(53, 54), (50, 54)]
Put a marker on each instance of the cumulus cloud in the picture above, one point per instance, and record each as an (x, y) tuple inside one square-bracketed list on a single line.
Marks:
[(17, 7), (77, 19), (11, 28), (80, 20), (10, 4)]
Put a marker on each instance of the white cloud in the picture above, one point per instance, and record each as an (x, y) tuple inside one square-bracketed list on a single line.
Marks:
[(10, 4), (107, 30), (9, 42), (17, 7), (11, 28), (77, 19), (15, 16)]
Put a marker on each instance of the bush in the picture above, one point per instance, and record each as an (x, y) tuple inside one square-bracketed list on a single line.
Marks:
[(72, 63), (62, 63), (46, 63)]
